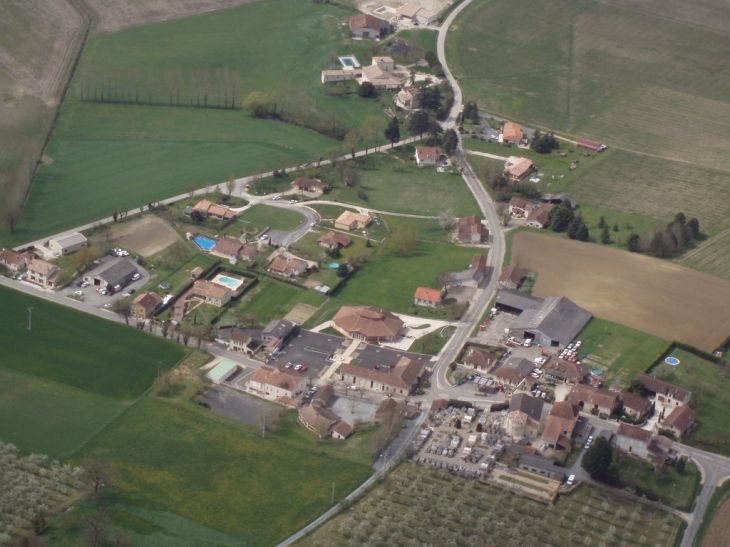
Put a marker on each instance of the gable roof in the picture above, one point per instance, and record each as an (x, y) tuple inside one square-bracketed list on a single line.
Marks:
[(228, 246), (208, 289), (349, 217), (469, 226), (522, 203), (557, 317), (563, 417), (429, 295), (634, 402), (636, 433), (515, 369), (517, 299), (401, 376), (531, 406), (681, 418), (593, 395), (11, 256), (479, 263), (278, 378), (114, 273), (519, 168), (568, 370), (512, 132), (658, 386), (368, 321), (41, 266), (428, 152), (440, 404), (512, 273), (308, 184), (481, 358), (541, 214), (344, 429), (364, 20), (565, 410), (70, 239), (334, 238), (318, 418), (148, 300)]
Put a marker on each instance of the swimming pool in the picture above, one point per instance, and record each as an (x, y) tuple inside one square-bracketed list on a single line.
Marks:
[(205, 243), (231, 282), (349, 62)]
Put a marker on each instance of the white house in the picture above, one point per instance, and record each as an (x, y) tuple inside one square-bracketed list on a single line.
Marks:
[(68, 244), (427, 156)]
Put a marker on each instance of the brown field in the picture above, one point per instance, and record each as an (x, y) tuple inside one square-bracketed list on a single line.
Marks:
[(644, 293), (115, 15), (145, 236), (717, 534), (300, 313)]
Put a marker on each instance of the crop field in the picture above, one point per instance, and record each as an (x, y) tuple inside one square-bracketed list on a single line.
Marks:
[(711, 256), (80, 350), (45, 417), (257, 490), (622, 352), (647, 294), (419, 506), (715, 524)]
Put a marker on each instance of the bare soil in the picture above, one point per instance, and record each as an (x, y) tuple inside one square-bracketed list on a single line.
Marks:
[(145, 236), (648, 294), (717, 535), (300, 313)]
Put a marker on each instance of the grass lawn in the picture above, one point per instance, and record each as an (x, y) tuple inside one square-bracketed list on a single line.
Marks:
[(258, 490), (80, 350), (276, 218), (45, 417), (431, 345), (622, 352), (174, 265), (428, 229), (710, 385)]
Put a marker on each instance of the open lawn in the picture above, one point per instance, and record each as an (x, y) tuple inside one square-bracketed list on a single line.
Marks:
[(45, 417), (710, 386), (421, 506), (80, 350), (259, 491), (276, 218), (428, 229), (647, 294), (622, 352)]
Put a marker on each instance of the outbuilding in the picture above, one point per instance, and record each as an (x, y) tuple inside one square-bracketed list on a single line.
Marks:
[(67, 244)]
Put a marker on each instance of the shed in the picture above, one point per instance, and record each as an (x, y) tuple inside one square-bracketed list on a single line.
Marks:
[(222, 371), (67, 244), (591, 145)]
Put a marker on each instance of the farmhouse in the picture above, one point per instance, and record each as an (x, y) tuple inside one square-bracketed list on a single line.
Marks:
[(593, 400), (634, 406), (430, 298), (680, 420), (363, 25), (513, 301), (67, 244), (481, 361), (511, 132), (313, 187), (42, 273), (514, 371), (289, 267), (520, 207), (555, 323), (408, 98), (211, 293), (540, 465), (427, 156), (145, 305), (539, 217), (666, 394), (567, 372), (473, 276), (380, 74), (338, 75), (368, 323), (517, 169), (399, 379), (333, 240), (349, 220), (209, 209), (525, 415), (472, 230), (116, 274), (318, 419), (13, 260), (416, 14), (560, 425), (271, 383), (511, 277)]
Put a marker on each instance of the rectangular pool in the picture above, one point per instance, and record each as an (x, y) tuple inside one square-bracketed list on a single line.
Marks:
[(349, 62), (231, 282)]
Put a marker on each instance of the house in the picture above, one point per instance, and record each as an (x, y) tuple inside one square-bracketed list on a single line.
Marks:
[(439, 404), (400, 379), (379, 77), (517, 169), (666, 394), (524, 417), (472, 230), (13, 260), (634, 406), (555, 323), (42, 273), (680, 420), (242, 342), (384, 63), (368, 323), (363, 25), (350, 220), (520, 207), (289, 267), (333, 240), (513, 301), (113, 275), (593, 400), (408, 98), (323, 395), (560, 425), (145, 305), (67, 244), (228, 247), (272, 383), (565, 371), (416, 14), (427, 156), (540, 465), (430, 298), (209, 209), (482, 361), (511, 132), (511, 277), (473, 276), (539, 217), (211, 293), (342, 430), (514, 371), (633, 440), (278, 332), (310, 186), (338, 75)]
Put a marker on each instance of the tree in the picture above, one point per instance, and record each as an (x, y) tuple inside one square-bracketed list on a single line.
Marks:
[(582, 234), (403, 241), (471, 112), (366, 90), (693, 226), (231, 184), (633, 243), (447, 219), (544, 144), (445, 278), (597, 460), (574, 226), (93, 530), (602, 222), (249, 319), (123, 307), (450, 142), (257, 105), (615, 227), (97, 473), (561, 217), (12, 217), (418, 122), (343, 270), (370, 130), (350, 142), (658, 246), (392, 132), (605, 235)]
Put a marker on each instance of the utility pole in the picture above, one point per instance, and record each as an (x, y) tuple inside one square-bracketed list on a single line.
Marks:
[(333, 493), (29, 316), (263, 429)]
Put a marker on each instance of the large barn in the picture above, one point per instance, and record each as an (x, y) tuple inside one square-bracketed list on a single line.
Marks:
[(555, 323)]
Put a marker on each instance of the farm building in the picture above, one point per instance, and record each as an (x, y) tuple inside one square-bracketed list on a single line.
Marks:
[(514, 371), (349, 220), (416, 14), (525, 417), (557, 199), (520, 207), (399, 379), (680, 420), (318, 419), (427, 156), (42, 273), (473, 276), (511, 277), (591, 145), (333, 240), (540, 465), (288, 267), (539, 217), (481, 361), (363, 25), (314, 187), (116, 274), (342, 431), (211, 293), (271, 383), (67, 244), (408, 98), (593, 400), (515, 302), (517, 169), (145, 305), (430, 298), (13, 260), (222, 371), (368, 323), (511, 132), (338, 75), (560, 425), (472, 230), (555, 323)]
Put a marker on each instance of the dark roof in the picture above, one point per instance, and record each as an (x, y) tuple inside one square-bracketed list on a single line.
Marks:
[(633, 433), (278, 328), (517, 300), (118, 272), (557, 317), (661, 387), (681, 417), (568, 370), (527, 404), (512, 273), (541, 462)]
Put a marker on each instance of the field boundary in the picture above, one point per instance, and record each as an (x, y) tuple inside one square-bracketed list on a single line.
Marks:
[(719, 496)]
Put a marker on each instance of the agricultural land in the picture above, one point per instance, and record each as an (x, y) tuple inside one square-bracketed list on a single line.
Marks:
[(713, 531)]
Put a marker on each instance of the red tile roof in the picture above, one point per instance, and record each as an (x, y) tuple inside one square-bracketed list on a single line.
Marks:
[(334, 238), (368, 321), (364, 20), (428, 152), (512, 273), (429, 295), (632, 432), (512, 132), (681, 418)]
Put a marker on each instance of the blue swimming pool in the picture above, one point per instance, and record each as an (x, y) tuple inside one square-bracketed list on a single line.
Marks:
[(232, 283), (204, 243), (349, 61)]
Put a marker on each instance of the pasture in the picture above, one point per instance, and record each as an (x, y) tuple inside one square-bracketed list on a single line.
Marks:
[(80, 350), (647, 294), (421, 506), (231, 480)]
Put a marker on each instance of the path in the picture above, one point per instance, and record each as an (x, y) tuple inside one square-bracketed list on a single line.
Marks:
[(486, 155)]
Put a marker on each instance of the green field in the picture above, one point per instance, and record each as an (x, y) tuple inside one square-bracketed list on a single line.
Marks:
[(45, 417), (259, 491), (427, 229), (276, 218), (80, 350), (622, 352)]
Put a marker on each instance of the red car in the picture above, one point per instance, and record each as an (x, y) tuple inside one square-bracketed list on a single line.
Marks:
[(305, 368)]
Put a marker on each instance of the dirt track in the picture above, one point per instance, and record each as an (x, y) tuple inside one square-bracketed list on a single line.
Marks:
[(655, 296), (717, 535), (145, 236)]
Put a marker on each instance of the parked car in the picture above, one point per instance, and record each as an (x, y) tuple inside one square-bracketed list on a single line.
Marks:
[(297, 367), (305, 368), (79, 293), (131, 291), (571, 480), (293, 201), (136, 276)]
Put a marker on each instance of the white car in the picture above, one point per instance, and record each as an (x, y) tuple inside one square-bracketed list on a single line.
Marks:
[(312, 224), (293, 201), (276, 197), (136, 276), (571, 480), (79, 293), (297, 367)]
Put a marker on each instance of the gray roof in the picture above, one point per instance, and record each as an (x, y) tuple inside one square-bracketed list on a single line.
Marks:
[(557, 318), (517, 299), (118, 272), (70, 239), (520, 364), (467, 275), (541, 462), (558, 198), (278, 328), (527, 404)]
